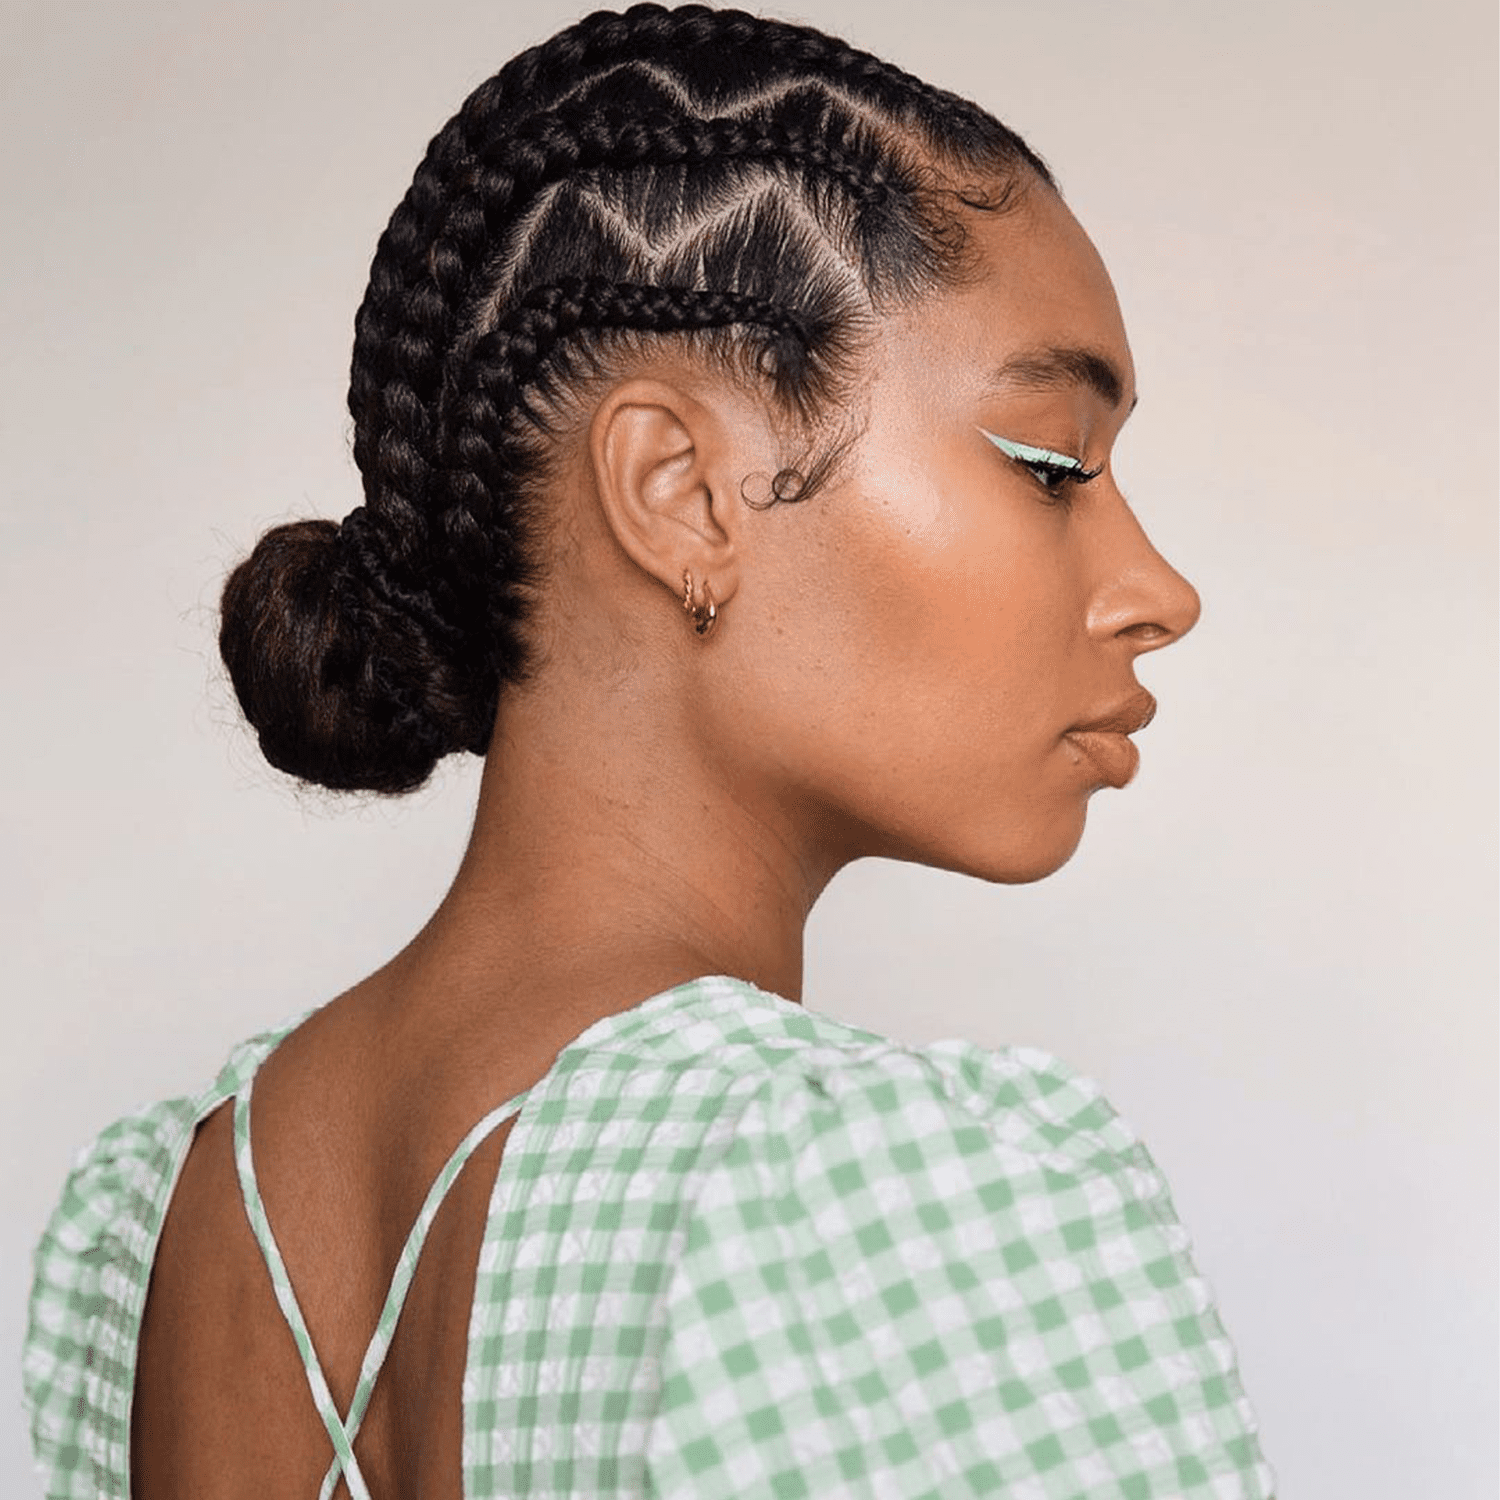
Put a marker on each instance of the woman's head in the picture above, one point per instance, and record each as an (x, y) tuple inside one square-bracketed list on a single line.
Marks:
[(678, 254)]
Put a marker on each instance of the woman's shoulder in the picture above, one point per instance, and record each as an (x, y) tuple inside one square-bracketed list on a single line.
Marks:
[(827, 1073), (91, 1269), (704, 1178), (1005, 1122), (956, 1264)]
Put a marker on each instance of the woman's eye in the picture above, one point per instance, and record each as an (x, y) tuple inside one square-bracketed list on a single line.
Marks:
[(1054, 472), (1054, 478)]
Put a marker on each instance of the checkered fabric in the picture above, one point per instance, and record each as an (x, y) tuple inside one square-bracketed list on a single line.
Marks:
[(738, 1249)]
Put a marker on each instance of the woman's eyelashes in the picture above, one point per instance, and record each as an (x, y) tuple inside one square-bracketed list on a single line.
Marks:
[(1056, 473)]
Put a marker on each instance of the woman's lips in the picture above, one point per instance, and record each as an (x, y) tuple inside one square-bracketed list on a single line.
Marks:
[(1113, 755)]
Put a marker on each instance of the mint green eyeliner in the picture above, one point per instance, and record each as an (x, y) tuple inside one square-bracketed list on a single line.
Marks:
[(1026, 454)]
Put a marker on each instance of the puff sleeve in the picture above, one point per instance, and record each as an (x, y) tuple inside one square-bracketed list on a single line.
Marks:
[(943, 1272), (91, 1270)]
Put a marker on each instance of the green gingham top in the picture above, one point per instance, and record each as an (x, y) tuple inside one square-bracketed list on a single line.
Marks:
[(738, 1249)]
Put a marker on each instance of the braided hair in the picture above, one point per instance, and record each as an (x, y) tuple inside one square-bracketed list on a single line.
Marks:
[(758, 189)]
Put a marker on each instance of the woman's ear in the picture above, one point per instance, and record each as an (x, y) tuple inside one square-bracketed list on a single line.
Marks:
[(662, 460)]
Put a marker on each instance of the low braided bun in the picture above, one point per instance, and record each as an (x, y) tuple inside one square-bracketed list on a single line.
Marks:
[(757, 191), (342, 689)]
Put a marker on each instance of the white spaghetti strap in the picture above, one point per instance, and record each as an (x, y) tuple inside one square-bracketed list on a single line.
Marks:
[(342, 1431)]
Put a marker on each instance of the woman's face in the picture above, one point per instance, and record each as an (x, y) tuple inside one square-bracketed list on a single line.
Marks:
[(909, 650)]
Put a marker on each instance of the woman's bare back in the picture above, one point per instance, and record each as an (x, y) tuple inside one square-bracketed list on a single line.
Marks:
[(348, 1137)]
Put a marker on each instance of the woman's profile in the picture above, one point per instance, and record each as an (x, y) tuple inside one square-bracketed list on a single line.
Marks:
[(734, 413)]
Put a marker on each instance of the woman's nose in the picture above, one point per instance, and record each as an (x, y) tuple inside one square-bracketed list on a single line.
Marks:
[(1141, 598)]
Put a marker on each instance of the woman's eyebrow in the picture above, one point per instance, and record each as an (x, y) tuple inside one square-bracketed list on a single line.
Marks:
[(1057, 366)]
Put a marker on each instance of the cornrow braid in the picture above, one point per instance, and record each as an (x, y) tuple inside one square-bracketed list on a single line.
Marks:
[(510, 356), (757, 188)]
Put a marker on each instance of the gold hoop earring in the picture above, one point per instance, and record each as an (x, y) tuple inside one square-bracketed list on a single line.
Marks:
[(704, 616)]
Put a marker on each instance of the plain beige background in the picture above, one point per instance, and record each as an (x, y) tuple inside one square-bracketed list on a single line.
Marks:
[(1275, 950)]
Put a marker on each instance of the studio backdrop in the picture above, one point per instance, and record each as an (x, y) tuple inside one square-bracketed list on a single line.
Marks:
[(1275, 950)]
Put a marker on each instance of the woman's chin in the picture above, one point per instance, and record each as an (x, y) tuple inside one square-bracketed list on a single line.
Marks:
[(1026, 871), (1010, 856)]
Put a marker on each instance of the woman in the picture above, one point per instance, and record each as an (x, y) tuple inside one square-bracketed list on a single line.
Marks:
[(734, 413)]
